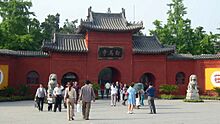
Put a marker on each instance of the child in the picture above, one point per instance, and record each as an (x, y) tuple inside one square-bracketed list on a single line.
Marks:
[(125, 94), (50, 102)]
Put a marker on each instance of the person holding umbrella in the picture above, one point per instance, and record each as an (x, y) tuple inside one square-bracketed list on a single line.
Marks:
[(139, 88)]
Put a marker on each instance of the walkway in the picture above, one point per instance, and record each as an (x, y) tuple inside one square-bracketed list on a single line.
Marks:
[(168, 112)]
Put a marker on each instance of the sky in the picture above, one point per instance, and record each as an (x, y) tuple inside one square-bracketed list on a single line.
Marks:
[(205, 13)]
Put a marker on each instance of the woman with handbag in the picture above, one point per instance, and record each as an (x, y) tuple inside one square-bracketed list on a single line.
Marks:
[(70, 99)]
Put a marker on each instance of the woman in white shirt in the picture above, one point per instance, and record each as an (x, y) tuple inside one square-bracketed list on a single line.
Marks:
[(113, 94), (70, 99)]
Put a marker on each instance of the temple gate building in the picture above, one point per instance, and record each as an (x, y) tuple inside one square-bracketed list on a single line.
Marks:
[(107, 48)]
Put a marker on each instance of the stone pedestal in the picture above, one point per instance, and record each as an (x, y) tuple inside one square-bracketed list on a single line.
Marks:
[(192, 95)]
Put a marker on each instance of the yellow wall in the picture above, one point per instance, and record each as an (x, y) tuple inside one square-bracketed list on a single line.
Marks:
[(4, 76), (212, 78)]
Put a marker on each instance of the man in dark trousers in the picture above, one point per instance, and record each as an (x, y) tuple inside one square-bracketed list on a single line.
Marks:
[(151, 94), (57, 92), (87, 95), (39, 96)]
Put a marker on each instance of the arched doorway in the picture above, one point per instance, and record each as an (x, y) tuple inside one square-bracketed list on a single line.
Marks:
[(180, 78), (147, 78), (109, 74), (70, 76)]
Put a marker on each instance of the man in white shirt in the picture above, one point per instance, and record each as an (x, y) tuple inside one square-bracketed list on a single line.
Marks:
[(107, 88), (40, 95), (57, 92)]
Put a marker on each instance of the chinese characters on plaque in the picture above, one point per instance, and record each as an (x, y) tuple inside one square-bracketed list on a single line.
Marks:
[(110, 52)]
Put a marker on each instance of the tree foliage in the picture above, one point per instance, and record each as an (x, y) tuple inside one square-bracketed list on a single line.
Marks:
[(19, 30), (178, 31), (50, 26), (69, 27)]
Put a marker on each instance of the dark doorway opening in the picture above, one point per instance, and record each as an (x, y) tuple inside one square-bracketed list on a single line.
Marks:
[(109, 74), (69, 77), (147, 78)]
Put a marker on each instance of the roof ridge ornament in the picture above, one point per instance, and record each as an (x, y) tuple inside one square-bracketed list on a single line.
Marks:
[(109, 10), (54, 37), (89, 17), (123, 12), (89, 10)]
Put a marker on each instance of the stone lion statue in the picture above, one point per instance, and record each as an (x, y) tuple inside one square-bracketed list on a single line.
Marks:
[(192, 83), (192, 91), (52, 83)]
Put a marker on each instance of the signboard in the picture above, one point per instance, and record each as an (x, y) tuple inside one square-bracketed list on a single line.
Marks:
[(3, 76), (212, 78), (106, 52)]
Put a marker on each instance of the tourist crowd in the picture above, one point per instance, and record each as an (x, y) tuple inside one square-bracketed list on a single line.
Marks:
[(81, 97)]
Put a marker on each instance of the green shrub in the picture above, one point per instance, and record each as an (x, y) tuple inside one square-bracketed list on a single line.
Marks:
[(192, 100), (210, 97), (217, 90), (9, 91), (23, 90), (15, 98), (179, 97), (95, 86), (168, 88), (164, 96)]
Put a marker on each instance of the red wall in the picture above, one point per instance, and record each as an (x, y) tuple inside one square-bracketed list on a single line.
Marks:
[(20, 66), (124, 65), (154, 64), (200, 67), (10, 61), (62, 63), (27, 64), (175, 66)]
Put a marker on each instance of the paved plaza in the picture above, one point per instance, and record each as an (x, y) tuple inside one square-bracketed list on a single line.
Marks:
[(168, 112)]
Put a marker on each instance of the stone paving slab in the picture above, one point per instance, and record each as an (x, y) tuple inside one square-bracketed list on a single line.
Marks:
[(168, 112)]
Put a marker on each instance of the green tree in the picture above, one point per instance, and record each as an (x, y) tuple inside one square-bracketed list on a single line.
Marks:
[(50, 26), (69, 27), (178, 32), (217, 41), (16, 24)]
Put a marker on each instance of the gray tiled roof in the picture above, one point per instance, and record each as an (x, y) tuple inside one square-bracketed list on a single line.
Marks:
[(23, 53), (149, 45), (66, 43), (113, 22), (193, 57)]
